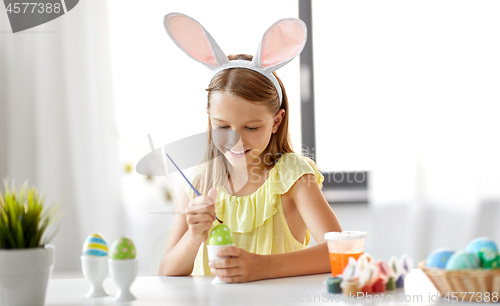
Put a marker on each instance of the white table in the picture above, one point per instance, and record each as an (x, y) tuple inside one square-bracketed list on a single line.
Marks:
[(198, 290)]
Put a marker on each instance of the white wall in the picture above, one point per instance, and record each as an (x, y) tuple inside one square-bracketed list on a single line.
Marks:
[(394, 230)]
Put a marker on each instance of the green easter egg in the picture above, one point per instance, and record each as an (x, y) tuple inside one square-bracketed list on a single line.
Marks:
[(496, 264), (123, 248), (463, 260), (489, 259), (220, 235)]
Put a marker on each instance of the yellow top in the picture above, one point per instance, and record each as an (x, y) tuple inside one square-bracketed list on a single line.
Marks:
[(257, 220)]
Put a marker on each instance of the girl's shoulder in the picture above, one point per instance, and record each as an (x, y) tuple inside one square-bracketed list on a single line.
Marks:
[(291, 166), (292, 158)]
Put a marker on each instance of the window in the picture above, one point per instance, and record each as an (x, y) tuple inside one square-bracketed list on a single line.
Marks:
[(394, 78)]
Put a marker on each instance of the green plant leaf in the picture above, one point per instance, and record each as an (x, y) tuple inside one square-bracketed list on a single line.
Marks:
[(20, 236), (24, 219)]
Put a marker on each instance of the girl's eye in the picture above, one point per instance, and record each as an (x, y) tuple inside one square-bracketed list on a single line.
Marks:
[(248, 128)]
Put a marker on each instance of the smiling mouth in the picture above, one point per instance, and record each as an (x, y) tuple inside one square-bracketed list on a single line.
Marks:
[(238, 152)]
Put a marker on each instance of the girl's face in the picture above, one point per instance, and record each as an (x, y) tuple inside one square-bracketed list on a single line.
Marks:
[(254, 123)]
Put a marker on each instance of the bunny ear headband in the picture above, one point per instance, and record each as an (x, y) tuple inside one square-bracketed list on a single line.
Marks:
[(281, 43)]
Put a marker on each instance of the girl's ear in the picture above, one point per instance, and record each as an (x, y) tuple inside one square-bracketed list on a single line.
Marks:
[(278, 119), (281, 43), (190, 36)]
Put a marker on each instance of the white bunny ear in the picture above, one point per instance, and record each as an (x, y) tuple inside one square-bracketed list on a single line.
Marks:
[(281, 43), (190, 36)]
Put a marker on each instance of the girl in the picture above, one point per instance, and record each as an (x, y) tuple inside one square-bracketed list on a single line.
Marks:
[(268, 196)]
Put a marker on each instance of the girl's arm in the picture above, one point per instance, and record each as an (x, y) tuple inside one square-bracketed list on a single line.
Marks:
[(191, 224), (313, 208), (244, 266), (319, 219)]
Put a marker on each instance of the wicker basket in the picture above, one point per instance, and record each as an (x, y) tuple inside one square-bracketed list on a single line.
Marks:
[(476, 282)]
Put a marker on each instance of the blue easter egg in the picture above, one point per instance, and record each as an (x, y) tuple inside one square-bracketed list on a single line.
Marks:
[(487, 251), (438, 258), (481, 245), (95, 245), (463, 260)]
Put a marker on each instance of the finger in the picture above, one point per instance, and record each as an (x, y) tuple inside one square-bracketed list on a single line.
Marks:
[(201, 200), (198, 218), (208, 209), (201, 227), (199, 209), (231, 279), (212, 195), (227, 272), (203, 212), (225, 263), (229, 251)]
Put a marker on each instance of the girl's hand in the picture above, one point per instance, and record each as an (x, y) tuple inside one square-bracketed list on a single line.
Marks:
[(200, 214), (241, 266)]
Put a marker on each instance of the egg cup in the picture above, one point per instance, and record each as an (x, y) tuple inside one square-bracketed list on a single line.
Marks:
[(212, 255), (123, 273), (95, 270)]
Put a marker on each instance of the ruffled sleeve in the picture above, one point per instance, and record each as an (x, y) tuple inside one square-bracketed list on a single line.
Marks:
[(242, 214), (290, 170)]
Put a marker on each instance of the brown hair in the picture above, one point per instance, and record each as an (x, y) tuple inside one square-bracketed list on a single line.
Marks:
[(254, 87)]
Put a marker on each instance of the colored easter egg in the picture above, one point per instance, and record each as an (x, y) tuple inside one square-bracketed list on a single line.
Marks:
[(95, 245), (123, 248), (486, 249), (490, 259), (495, 264), (438, 258), (481, 244), (220, 235), (463, 260)]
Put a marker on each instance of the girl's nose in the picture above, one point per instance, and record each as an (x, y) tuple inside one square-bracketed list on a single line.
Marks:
[(238, 141), (239, 144)]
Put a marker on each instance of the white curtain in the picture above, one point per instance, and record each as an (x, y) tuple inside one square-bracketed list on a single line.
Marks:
[(57, 123), (57, 115)]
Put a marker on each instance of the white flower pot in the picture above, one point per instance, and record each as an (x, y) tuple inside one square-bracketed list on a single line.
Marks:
[(24, 274)]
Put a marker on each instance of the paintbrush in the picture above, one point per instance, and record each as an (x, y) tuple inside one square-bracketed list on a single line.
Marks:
[(194, 189)]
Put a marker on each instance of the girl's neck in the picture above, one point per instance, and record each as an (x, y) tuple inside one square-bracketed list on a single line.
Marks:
[(240, 177)]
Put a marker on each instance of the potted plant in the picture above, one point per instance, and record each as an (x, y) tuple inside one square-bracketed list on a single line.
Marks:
[(26, 260)]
